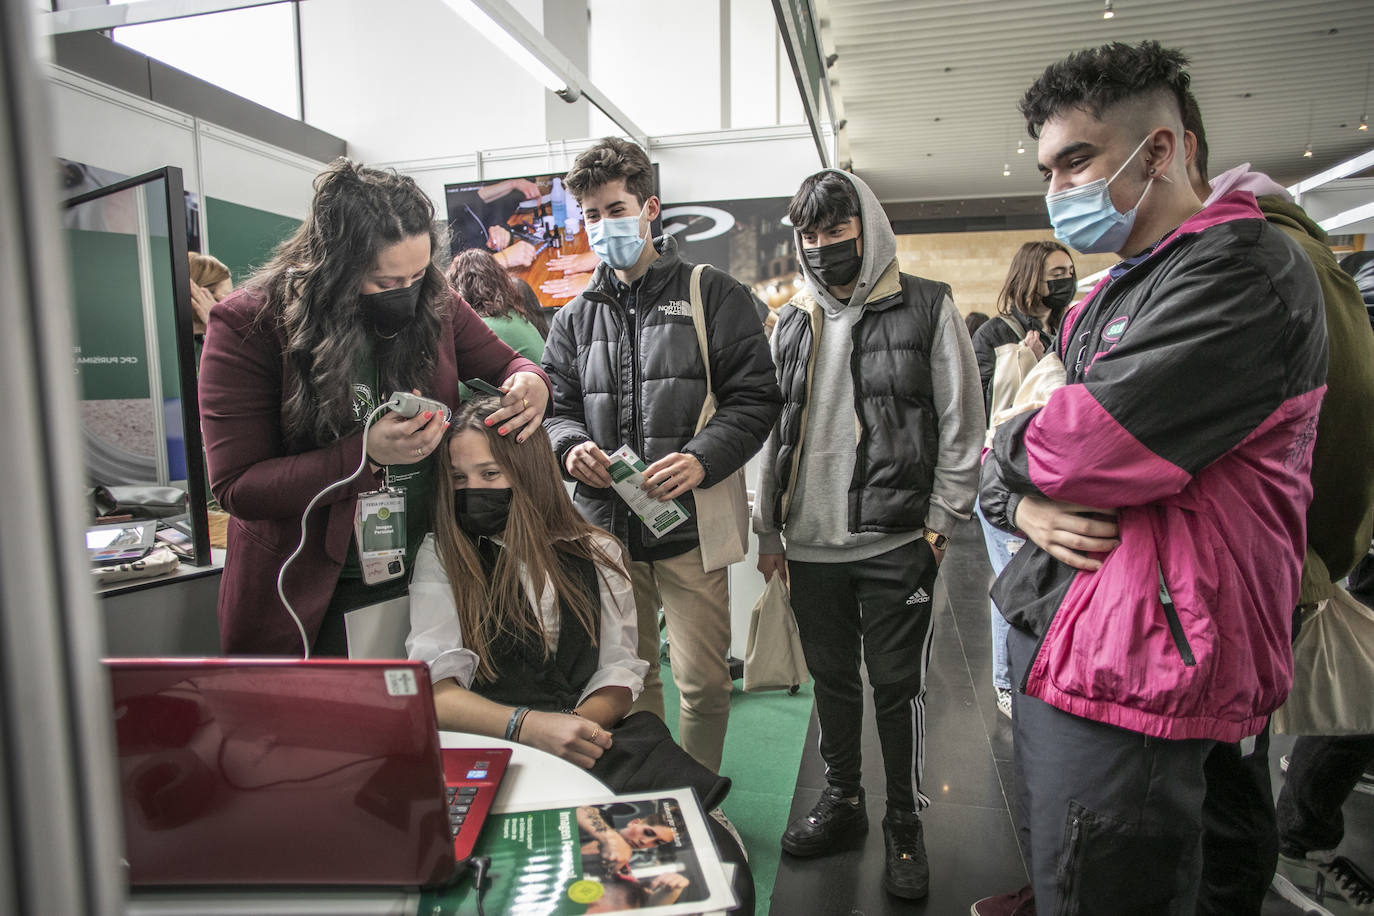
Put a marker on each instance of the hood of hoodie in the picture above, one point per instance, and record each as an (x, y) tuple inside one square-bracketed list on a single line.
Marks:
[(879, 254), (1243, 178)]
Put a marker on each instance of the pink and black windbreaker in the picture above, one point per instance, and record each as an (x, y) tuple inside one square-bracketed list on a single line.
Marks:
[(1195, 376)]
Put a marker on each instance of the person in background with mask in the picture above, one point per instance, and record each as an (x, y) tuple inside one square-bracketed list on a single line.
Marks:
[(350, 310), (872, 465), (626, 369), (1039, 286), (1163, 491)]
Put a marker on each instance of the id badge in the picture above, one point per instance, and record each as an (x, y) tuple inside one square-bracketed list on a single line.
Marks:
[(379, 529)]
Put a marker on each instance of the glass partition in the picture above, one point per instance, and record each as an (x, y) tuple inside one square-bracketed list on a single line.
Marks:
[(134, 350)]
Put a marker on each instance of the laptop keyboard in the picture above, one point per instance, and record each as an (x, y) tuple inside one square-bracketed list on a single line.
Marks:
[(471, 783), (460, 799)]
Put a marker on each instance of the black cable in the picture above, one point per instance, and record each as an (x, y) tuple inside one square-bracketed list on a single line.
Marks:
[(480, 864)]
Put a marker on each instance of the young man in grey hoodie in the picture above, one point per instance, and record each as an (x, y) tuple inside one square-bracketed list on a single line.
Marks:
[(871, 465)]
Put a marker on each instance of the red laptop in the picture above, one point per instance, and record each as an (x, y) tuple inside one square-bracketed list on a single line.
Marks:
[(283, 771)]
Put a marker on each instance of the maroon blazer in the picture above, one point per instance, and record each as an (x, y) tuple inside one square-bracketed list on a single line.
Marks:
[(265, 488)]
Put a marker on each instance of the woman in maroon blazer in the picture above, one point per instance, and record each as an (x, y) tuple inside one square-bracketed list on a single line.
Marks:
[(350, 309)]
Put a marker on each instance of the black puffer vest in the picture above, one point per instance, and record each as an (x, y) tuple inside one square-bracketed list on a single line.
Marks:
[(894, 464), (525, 675)]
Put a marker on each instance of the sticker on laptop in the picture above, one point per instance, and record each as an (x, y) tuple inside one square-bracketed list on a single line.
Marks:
[(400, 682)]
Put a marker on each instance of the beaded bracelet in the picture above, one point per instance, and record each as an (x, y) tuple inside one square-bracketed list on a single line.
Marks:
[(515, 718)]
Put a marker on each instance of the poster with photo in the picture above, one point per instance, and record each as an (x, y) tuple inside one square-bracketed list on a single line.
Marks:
[(639, 852)]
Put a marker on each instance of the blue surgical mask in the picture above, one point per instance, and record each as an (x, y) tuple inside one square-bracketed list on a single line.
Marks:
[(1085, 219), (617, 241)]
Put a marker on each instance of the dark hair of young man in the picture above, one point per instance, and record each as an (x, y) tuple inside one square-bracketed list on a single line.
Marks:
[(1192, 120), (1099, 79), (612, 158), (823, 200)]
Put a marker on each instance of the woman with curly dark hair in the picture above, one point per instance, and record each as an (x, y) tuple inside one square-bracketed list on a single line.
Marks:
[(350, 310), (493, 294)]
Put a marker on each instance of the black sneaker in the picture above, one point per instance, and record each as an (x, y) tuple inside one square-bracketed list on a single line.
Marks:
[(830, 821), (906, 872)]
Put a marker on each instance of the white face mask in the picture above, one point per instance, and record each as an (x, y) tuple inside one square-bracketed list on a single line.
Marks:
[(618, 241), (1085, 218)]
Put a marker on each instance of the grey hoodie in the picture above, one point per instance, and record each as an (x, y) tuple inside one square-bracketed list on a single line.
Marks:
[(818, 523)]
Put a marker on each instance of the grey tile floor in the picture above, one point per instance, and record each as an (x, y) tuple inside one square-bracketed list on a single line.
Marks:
[(970, 836)]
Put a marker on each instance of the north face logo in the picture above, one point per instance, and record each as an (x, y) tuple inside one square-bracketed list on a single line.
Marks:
[(676, 307), (918, 597)]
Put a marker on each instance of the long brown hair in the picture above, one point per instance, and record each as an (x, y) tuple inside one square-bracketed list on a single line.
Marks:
[(491, 291), (542, 524), (1022, 287), (313, 285)]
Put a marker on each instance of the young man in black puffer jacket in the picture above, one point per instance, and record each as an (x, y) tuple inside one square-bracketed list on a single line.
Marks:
[(626, 369)]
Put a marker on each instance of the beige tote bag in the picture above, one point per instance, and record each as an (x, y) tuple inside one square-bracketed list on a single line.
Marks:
[(1333, 672), (773, 657), (722, 510), (1014, 362)]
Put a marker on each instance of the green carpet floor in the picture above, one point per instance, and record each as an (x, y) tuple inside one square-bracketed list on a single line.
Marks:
[(763, 749)]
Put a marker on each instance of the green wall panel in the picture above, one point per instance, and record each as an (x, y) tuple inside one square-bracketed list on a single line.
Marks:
[(244, 237)]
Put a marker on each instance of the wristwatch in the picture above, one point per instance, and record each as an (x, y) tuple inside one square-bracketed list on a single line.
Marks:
[(936, 539)]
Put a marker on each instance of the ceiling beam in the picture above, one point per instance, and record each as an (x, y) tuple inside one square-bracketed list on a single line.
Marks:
[(141, 12)]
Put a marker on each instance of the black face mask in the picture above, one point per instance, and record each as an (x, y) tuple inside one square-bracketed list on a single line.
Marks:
[(836, 264), (1060, 294), (392, 309), (482, 512)]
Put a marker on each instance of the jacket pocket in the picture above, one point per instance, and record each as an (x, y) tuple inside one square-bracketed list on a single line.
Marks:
[(1125, 869), (1180, 638)]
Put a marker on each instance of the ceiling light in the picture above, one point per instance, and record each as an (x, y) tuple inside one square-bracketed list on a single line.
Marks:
[(1364, 118), (1108, 12), (1020, 147), (1006, 170), (493, 32), (1307, 150)]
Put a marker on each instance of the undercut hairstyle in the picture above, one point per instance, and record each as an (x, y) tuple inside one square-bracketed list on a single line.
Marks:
[(610, 159), (1021, 289), (1098, 79), (1192, 120), (485, 285), (313, 287), (542, 524), (825, 199)]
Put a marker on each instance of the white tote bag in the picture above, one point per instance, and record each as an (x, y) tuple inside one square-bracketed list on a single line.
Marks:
[(1333, 672), (722, 510), (773, 657)]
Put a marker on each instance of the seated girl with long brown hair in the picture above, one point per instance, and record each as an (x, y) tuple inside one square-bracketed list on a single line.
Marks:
[(523, 611), (526, 617)]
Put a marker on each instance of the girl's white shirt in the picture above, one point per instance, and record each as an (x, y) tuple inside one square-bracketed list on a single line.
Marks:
[(436, 636)]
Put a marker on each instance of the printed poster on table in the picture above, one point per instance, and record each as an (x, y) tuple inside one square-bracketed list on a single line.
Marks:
[(643, 853)]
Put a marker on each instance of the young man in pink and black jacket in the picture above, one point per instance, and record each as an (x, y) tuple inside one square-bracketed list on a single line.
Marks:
[(1164, 490)]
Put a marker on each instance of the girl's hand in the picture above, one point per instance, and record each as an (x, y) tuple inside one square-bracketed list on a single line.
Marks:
[(1036, 345), (394, 439), (575, 739), (522, 407)]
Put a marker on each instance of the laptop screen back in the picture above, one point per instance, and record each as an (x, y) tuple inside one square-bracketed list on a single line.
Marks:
[(281, 771)]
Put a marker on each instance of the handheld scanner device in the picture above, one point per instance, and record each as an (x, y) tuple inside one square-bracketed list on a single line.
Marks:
[(409, 405)]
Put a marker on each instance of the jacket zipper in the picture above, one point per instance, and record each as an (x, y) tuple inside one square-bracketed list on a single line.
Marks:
[(1175, 625)]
